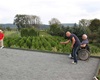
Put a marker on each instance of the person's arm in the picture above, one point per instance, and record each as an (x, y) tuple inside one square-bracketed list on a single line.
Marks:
[(3, 36), (73, 42), (66, 42), (83, 45)]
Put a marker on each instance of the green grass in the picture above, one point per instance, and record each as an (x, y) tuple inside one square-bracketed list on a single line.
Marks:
[(17, 33), (96, 54), (12, 34), (44, 33)]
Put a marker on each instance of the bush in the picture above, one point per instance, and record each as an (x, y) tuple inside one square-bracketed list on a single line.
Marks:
[(8, 42), (43, 43), (79, 31), (33, 32), (56, 30), (20, 42), (25, 32), (28, 42), (94, 49)]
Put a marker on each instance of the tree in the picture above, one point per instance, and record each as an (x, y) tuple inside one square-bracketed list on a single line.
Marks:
[(8, 28), (94, 25), (20, 21), (54, 21), (24, 21), (35, 21), (2, 28), (55, 27), (84, 23)]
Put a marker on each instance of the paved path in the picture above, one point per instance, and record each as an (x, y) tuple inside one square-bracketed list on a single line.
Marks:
[(31, 65)]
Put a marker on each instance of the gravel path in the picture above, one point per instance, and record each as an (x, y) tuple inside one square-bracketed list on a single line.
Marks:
[(31, 65)]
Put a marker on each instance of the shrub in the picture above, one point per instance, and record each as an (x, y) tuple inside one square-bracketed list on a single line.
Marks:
[(42, 48), (28, 42), (43, 43), (20, 43), (33, 32), (24, 32), (94, 49), (7, 42)]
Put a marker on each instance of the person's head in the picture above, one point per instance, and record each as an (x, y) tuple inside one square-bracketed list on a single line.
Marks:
[(68, 34), (1, 31), (84, 36)]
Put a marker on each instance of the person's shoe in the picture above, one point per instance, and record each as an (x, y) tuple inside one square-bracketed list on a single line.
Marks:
[(74, 62), (95, 78), (71, 58), (1, 47)]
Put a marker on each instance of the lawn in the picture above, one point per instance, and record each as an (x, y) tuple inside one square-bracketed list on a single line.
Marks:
[(17, 33), (96, 54), (12, 34)]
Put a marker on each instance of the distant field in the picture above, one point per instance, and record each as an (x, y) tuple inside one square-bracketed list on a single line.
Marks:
[(44, 33), (17, 34), (11, 33)]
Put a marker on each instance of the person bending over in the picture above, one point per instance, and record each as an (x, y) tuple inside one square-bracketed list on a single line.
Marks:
[(75, 44)]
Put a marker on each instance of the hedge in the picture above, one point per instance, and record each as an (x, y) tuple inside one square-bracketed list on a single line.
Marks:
[(42, 43), (25, 32)]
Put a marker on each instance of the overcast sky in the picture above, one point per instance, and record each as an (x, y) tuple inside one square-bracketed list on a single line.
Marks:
[(66, 11)]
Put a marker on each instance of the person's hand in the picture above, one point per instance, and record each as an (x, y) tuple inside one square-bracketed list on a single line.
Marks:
[(71, 46), (61, 42)]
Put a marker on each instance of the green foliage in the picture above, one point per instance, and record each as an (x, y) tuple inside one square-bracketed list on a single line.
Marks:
[(8, 28), (28, 42), (43, 33), (94, 25), (95, 32), (33, 32), (84, 23), (26, 21), (98, 39), (8, 42), (79, 31), (56, 30), (20, 42), (94, 49), (42, 43), (2, 28), (25, 32)]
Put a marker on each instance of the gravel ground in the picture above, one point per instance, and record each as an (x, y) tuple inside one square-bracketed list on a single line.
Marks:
[(31, 65)]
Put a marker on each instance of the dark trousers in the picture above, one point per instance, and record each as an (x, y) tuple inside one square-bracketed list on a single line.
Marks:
[(75, 52)]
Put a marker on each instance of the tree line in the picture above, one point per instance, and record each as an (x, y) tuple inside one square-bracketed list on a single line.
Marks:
[(89, 27), (26, 21)]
